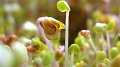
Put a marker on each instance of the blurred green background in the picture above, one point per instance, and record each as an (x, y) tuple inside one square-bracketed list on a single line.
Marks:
[(16, 12)]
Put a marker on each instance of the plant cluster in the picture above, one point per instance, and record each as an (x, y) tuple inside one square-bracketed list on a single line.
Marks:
[(99, 46)]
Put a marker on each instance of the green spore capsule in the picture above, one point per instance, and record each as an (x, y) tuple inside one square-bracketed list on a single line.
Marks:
[(80, 41), (111, 24), (38, 45), (100, 55), (74, 48), (81, 64), (114, 52), (63, 6), (106, 61)]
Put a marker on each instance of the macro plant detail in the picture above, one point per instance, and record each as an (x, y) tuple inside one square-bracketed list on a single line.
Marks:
[(38, 43), (64, 7)]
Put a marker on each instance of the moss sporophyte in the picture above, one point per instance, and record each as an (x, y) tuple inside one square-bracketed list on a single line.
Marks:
[(39, 45), (64, 7)]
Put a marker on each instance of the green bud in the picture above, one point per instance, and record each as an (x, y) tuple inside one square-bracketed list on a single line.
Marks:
[(81, 64), (63, 6), (114, 52), (39, 45), (80, 41), (77, 64), (100, 55), (118, 45), (74, 48), (106, 61), (35, 41), (111, 24)]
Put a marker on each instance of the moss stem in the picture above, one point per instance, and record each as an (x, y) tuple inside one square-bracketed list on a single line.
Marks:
[(108, 42), (93, 45), (66, 38)]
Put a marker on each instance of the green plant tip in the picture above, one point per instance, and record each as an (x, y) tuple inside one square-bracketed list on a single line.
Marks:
[(80, 41), (81, 64), (101, 55), (40, 46), (63, 6), (35, 41), (106, 61), (74, 48), (114, 52), (111, 24)]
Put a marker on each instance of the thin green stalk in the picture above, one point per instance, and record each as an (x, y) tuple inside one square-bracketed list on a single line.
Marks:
[(93, 45), (108, 42), (66, 38)]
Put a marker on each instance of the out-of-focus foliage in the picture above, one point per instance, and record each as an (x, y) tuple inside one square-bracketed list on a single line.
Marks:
[(13, 13), (101, 17)]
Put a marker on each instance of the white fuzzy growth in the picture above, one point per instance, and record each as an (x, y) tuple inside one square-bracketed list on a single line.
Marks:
[(100, 24), (29, 26)]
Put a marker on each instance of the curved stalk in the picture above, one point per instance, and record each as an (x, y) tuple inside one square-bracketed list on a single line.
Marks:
[(39, 20)]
